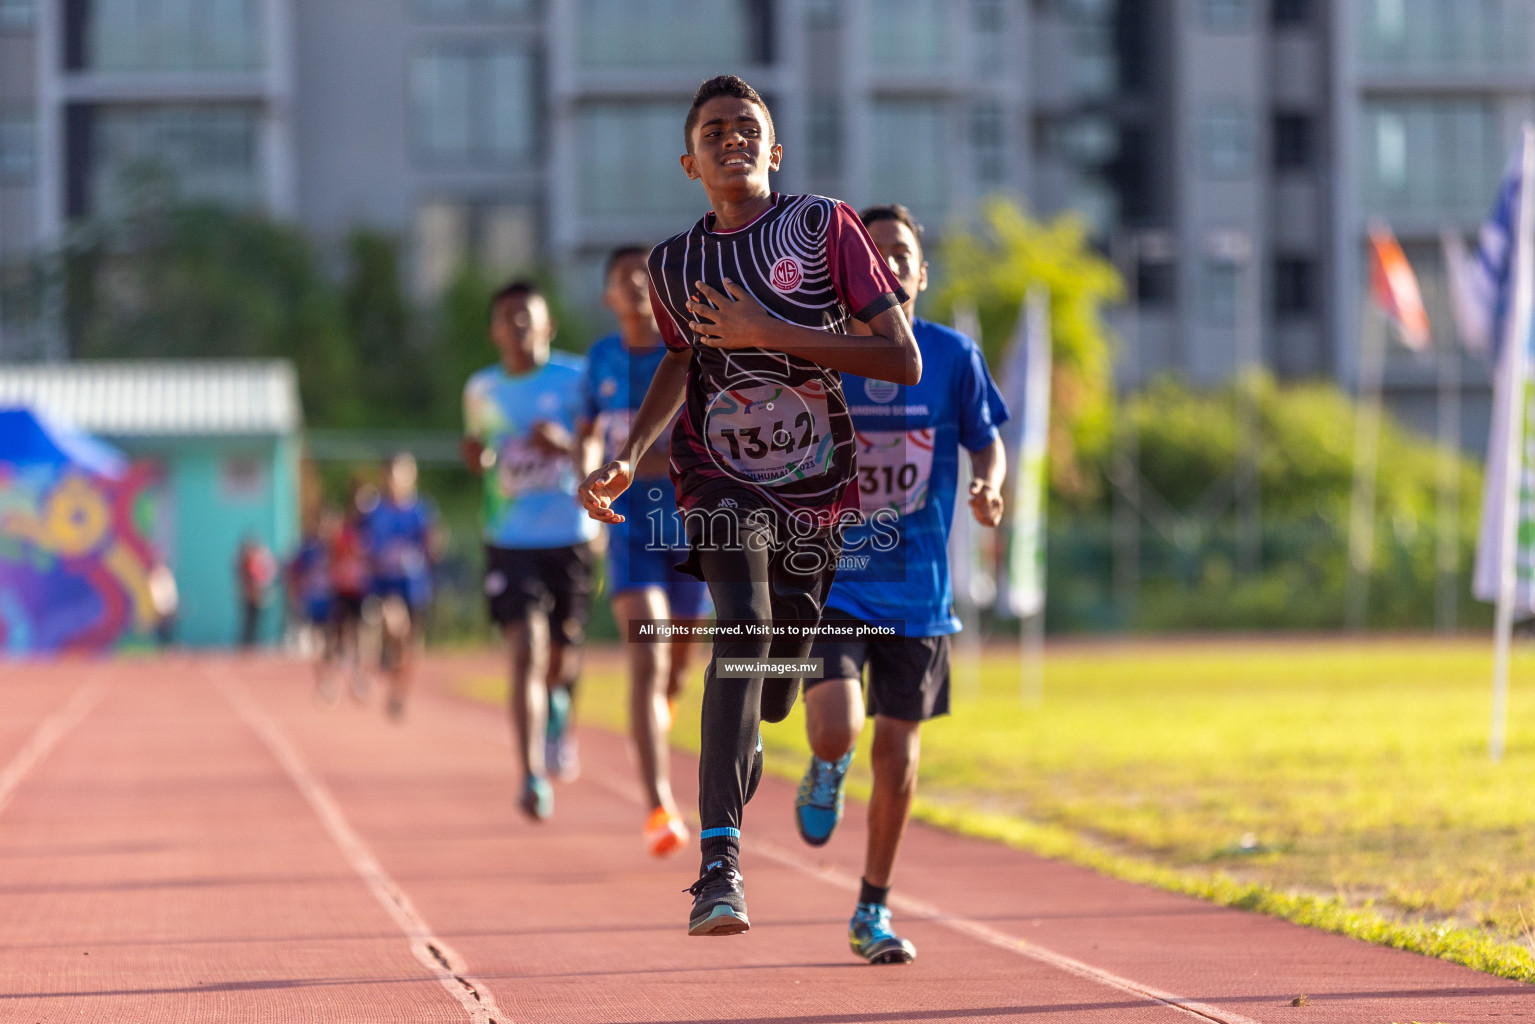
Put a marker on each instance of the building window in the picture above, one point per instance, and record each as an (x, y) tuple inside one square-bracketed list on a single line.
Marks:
[(910, 34), (1226, 143), (1226, 15), (628, 161), (17, 15), (467, 9), (1429, 156), (911, 147), (1434, 35), (988, 25), (664, 33), (1293, 142), (987, 144), (1294, 288), (1218, 293), (1291, 12), (825, 128), (203, 153), (1156, 284), (18, 147), (474, 105), (502, 239), (823, 14), (164, 35)]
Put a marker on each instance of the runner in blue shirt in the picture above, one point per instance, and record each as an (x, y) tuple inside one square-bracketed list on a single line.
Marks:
[(644, 549), (399, 533), (894, 571), (520, 436)]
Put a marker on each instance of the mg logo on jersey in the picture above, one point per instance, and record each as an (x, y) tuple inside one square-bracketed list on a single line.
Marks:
[(786, 275)]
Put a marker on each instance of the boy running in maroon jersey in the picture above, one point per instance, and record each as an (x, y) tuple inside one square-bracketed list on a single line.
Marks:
[(759, 304)]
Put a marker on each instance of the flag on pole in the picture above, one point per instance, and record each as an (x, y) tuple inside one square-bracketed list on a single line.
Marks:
[(1506, 508), (1480, 289), (1490, 279), (1394, 287), (1026, 386)]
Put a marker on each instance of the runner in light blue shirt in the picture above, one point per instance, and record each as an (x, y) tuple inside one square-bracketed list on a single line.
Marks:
[(521, 422)]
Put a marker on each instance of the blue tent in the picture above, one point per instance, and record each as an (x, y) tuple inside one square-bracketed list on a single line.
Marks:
[(28, 438)]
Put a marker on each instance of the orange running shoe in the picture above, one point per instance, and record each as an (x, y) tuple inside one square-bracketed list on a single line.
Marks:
[(665, 833), (671, 714)]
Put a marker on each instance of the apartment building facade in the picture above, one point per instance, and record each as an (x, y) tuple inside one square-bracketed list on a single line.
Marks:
[(1228, 153)]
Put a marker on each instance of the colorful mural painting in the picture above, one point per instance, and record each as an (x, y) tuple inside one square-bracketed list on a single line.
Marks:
[(75, 554)]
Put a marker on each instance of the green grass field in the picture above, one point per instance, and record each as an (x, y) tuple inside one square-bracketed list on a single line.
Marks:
[(1343, 784)]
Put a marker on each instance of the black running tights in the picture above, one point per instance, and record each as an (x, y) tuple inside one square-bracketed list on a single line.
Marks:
[(754, 580)]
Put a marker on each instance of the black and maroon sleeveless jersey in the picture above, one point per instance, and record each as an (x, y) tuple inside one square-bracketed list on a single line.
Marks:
[(760, 428)]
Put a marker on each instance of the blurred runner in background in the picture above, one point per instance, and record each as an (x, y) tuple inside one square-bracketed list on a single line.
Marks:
[(643, 550), (908, 472), (312, 593), (401, 537), (349, 586), (520, 420)]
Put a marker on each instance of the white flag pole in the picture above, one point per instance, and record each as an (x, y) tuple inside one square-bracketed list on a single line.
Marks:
[(963, 560), (1447, 553), (1027, 554), (1361, 517), (1516, 413)]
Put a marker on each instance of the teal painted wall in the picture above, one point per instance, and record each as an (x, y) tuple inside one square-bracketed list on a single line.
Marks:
[(217, 492)]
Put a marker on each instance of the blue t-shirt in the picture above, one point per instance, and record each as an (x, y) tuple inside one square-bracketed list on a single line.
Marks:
[(397, 539), (896, 565), (616, 381), (310, 571), (530, 496)]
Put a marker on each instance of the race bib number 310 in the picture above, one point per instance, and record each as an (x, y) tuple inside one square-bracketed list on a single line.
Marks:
[(771, 434), (894, 469)]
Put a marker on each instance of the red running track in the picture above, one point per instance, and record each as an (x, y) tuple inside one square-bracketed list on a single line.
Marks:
[(195, 840)]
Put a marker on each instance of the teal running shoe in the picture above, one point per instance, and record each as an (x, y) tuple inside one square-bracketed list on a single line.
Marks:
[(871, 937), (537, 798), (818, 804), (561, 757)]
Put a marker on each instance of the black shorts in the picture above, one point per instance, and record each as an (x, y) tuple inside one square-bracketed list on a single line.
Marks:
[(908, 678), (346, 608), (554, 581)]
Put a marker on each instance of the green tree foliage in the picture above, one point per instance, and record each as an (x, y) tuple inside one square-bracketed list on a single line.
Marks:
[(203, 282), (1190, 447), (992, 265), (394, 365)]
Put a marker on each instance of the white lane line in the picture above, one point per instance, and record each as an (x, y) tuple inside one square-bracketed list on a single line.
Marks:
[(433, 953), (973, 929), (991, 936), (964, 926), (48, 733)]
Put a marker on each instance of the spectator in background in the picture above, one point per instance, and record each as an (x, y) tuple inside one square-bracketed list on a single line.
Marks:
[(401, 537), (255, 569), (166, 602)]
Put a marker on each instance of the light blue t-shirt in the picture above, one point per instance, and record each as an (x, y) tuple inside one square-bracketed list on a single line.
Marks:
[(896, 566), (530, 496)]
